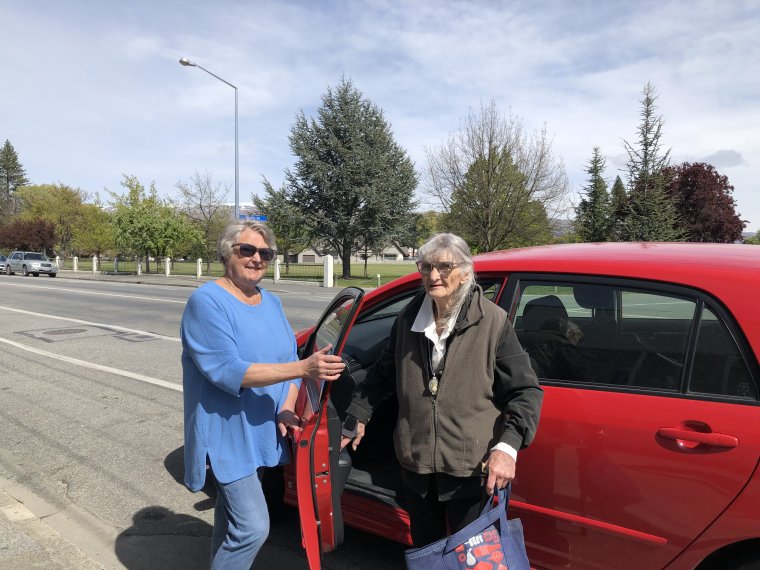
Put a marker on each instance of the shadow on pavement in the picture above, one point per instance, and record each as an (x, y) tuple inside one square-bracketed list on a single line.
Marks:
[(160, 538), (175, 466)]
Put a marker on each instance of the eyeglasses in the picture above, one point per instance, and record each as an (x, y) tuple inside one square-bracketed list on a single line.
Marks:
[(249, 250), (444, 267)]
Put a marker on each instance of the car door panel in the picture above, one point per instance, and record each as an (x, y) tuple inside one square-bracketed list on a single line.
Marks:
[(592, 489), (318, 489)]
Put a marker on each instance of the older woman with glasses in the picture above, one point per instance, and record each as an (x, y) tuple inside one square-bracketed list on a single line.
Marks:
[(240, 376), (467, 395)]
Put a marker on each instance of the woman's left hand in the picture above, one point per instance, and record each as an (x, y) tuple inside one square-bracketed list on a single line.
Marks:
[(288, 420), (501, 470)]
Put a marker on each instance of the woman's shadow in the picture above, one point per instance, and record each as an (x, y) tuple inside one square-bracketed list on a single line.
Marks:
[(160, 538)]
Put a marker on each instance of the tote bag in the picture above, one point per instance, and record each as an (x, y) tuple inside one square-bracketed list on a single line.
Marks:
[(490, 542)]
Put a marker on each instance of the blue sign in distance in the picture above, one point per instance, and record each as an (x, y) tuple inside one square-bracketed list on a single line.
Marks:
[(255, 218)]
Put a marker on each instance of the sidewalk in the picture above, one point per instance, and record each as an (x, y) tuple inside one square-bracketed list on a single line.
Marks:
[(37, 535)]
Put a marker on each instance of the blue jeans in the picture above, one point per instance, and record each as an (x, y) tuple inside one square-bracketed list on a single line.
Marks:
[(241, 524)]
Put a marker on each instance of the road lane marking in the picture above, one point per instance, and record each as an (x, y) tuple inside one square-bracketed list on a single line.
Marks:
[(85, 291), (93, 366), (81, 322)]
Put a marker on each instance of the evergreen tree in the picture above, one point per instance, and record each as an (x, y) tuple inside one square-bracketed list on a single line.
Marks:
[(593, 216), (284, 219), (351, 177), (650, 214), (618, 204), (12, 173), (12, 177)]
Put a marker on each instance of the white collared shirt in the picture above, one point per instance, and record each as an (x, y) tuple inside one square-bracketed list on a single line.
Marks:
[(425, 323)]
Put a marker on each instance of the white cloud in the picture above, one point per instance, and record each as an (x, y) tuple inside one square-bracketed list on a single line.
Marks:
[(98, 90)]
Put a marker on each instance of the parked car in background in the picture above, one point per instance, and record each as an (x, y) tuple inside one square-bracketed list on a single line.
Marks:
[(648, 449), (30, 263), (3, 260)]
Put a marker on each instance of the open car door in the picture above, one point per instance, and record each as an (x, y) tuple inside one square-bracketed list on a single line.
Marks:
[(315, 454)]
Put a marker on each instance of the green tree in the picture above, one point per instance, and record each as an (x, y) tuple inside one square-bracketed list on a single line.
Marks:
[(754, 240), (285, 220), (144, 225), (57, 203), (489, 172), (420, 227), (203, 203), (12, 177), (12, 173), (93, 235), (593, 216), (646, 160), (492, 209), (618, 205), (350, 174), (651, 216), (650, 213)]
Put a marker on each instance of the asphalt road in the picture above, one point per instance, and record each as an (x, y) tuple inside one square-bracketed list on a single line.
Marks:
[(91, 432)]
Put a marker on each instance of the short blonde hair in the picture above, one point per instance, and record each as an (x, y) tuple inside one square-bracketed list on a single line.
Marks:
[(232, 232)]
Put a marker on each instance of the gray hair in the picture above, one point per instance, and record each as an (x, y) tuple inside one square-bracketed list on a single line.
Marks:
[(232, 232), (435, 249)]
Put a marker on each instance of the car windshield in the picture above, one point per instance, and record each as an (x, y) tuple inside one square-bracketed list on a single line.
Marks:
[(35, 257)]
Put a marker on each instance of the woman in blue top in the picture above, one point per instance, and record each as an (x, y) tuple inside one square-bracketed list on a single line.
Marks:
[(240, 376)]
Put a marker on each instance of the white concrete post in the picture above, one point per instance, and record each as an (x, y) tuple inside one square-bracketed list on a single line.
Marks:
[(378, 280), (198, 268), (116, 264), (94, 263), (327, 280), (139, 265), (57, 262), (76, 264), (167, 267), (277, 270)]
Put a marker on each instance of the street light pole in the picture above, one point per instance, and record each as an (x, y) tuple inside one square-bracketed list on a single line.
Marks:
[(186, 62)]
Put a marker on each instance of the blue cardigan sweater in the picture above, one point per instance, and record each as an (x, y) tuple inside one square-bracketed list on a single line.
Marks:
[(235, 427)]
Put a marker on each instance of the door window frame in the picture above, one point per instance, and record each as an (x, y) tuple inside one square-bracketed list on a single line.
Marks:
[(510, 297)]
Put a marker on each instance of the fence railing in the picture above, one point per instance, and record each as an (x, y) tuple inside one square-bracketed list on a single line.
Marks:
[(321, 273)]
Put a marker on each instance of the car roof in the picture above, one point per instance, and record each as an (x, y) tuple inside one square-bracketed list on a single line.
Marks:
[(661, 261), (730, 272)]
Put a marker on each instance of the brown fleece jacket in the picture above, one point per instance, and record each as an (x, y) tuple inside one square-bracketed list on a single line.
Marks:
[(487, 393)]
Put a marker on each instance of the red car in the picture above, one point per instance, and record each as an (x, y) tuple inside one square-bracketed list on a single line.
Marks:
[(647, 453)]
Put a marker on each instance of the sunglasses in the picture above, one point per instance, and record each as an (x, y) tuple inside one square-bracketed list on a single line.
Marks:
[(249, 250), (444, 267)]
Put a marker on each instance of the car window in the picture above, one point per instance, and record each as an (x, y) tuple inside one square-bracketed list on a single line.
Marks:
[(623, 336), (36, 257), (718, 364)]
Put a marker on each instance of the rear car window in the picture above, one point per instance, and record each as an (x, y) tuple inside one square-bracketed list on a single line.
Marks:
[(609, 334)]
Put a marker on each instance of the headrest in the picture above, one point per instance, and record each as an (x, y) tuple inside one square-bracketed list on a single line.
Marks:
[(594, 296), (538, 311)]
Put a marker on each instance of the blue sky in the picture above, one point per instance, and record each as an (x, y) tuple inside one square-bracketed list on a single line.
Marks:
[(92, 90)]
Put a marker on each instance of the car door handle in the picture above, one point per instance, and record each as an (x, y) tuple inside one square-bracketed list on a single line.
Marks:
[(711, 438)]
